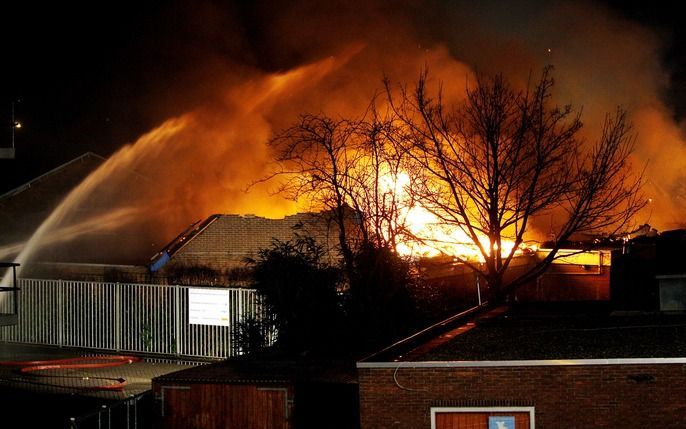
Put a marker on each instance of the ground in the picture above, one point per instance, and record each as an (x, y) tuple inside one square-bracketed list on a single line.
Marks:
[(50, 398)]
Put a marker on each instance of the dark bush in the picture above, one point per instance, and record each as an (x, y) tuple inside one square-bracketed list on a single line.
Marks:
[(301, 293)]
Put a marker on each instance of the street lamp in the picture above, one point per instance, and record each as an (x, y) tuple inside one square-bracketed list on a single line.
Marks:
[(15, 125), (8, 152)]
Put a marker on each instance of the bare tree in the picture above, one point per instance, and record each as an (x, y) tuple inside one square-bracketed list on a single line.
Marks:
[(380, 180), (314, 158), (486, 168), (491, 165), (346, 167)]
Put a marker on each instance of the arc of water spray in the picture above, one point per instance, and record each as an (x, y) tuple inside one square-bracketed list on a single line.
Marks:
[(107, 221), (80, 193), (255, 99)]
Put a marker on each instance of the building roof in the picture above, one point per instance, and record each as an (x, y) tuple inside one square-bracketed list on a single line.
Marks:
[(249, 370), (24, 208), (569, 337), (233, 237), (550, 332)]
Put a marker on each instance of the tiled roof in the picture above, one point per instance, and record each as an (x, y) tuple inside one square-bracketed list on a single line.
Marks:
[(542, 332)]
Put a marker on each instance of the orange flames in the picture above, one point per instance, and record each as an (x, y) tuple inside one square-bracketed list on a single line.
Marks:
[(427, 235)]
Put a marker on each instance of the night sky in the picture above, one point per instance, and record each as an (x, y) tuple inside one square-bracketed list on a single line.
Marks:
[(91, 78)]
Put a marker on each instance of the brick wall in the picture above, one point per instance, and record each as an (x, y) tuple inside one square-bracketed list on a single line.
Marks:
[(227, 241), (589, 396)]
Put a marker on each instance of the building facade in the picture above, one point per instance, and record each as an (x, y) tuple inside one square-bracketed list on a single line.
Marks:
[(534, 367), (635, 393)]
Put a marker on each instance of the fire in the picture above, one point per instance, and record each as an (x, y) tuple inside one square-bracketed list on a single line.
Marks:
[(428, 236)]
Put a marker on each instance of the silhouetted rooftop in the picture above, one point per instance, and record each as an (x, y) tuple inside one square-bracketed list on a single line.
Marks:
[(543, 331), (266, 370), (24, 208)]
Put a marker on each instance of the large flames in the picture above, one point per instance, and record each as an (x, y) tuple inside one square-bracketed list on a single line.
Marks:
[(426, 235)]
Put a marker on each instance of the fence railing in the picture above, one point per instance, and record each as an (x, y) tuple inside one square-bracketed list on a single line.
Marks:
[(130, 413), (124, 317)]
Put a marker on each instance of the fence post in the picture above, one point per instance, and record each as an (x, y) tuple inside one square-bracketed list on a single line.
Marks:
[(60, 313), (117, 317), (177, 319)]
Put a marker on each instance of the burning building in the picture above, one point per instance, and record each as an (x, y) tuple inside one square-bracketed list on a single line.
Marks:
[(222, 243), (574, 276), (577, 275)]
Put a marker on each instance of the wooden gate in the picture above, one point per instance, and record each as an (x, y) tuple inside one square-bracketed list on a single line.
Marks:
[(224, 406)]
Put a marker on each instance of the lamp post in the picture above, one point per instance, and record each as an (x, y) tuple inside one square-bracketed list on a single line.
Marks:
[(8, 152), (15, 125)]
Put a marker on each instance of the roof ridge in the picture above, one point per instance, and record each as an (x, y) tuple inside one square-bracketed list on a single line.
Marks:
[(49, 173)]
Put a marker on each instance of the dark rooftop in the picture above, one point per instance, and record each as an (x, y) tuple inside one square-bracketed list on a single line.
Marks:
[(24, 208), (542, 333), (247, 370)]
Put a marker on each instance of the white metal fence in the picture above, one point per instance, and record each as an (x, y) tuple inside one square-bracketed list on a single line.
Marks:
[(123, 317)]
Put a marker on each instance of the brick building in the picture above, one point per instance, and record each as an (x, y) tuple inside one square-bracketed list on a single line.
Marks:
[(527, 368), (223, 241), (575, 275)]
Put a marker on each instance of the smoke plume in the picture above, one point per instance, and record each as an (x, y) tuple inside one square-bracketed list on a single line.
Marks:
[(250, 70)]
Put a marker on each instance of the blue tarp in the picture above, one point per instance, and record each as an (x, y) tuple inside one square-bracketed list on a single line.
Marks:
[(160, 262)]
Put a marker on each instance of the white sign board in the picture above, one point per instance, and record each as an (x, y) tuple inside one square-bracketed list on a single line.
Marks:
[(208, 307)]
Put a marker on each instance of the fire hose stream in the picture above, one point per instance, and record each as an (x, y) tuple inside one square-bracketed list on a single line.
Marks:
[(84, 362)]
